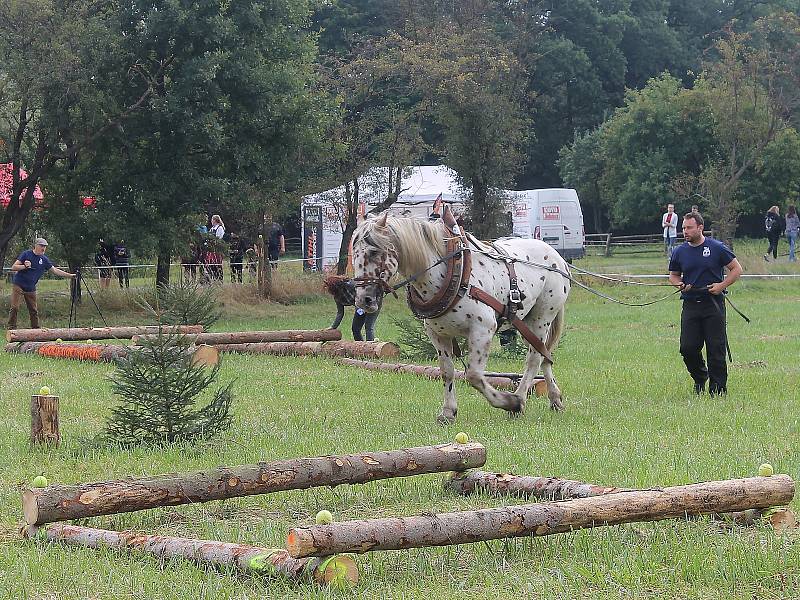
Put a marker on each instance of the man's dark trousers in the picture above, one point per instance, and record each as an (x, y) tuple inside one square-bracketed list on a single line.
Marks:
[(703, 322)]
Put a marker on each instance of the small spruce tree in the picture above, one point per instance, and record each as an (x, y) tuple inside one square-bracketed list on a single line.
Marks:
[(159, 386), (184, 303)]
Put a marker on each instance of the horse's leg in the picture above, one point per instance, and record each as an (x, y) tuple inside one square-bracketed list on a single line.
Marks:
[(541, 326), (479, 345), (444, 349)]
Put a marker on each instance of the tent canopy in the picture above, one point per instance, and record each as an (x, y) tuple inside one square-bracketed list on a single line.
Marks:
[(7, 183)]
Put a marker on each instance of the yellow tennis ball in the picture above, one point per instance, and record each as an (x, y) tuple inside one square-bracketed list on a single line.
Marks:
[(766, 470), (40, 481), (59, 340), (461, 437), (89, 342), (44, 391), (324, 517)]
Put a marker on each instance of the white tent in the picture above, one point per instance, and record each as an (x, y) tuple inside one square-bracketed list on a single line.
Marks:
[(323, 213)]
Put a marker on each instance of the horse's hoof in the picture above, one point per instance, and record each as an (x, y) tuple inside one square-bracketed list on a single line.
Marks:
[(443, 419), (556, 405), (516, 405)]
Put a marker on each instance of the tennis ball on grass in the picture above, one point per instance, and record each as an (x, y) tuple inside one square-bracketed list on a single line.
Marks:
[(44, 391), (59, 340), (89, 342), (765, 470), (461, 437), (40, 481), (324, 517)]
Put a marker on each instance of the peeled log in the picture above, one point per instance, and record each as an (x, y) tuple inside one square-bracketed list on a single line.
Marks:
[(504, 484), (66, 502), (201, 355), (94, 333), (540, 519), (431, 372), (553, 488), (265, 561), (257, 337), (44, 421), (370, 349)]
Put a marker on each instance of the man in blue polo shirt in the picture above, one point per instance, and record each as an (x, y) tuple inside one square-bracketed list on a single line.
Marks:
[(696, 267), (28, 269)]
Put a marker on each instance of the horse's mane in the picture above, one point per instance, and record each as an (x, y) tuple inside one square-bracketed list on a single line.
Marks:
[(413, 238)]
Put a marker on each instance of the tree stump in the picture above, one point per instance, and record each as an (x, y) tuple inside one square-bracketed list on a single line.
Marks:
[(44, 421)]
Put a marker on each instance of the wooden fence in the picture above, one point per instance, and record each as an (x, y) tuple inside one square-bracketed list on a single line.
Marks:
[(608, 243)]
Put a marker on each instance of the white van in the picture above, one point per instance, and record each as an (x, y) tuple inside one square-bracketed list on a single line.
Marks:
[(553, 216)]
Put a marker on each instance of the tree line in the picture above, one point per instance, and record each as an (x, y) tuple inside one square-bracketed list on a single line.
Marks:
[(164, 111)]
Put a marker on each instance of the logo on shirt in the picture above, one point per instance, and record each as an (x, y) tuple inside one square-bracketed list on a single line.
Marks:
[(40, 261), (706, 251)]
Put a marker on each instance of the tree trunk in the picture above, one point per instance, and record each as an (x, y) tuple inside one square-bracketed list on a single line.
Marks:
[(341, 570), (162, 266), (497, 380), (481, 223), (66, 502), (202, 354), (95, 333), (266, 266), (368, 349), (255, 337), (544, 518), (44, 421), (351, 222)]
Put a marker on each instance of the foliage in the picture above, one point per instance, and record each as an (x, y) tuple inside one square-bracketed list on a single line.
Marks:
[(159, 386), (185, 303), (413, 339)]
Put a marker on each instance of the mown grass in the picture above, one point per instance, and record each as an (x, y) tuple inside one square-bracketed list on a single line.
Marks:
[(630, 421)]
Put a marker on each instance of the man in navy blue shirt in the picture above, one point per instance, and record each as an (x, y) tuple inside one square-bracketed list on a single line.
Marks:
[(696, 267), (28, 269)]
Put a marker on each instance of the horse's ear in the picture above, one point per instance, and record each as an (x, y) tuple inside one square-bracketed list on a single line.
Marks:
[(382, 220)]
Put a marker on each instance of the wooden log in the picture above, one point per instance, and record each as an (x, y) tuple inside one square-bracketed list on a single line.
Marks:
[(44, 421), (501, 381), (201, 355), (341, 348), (338, 571), (554, 488), (66, 502), (505, 484), (257, 337), (72, 334), (544, 518)]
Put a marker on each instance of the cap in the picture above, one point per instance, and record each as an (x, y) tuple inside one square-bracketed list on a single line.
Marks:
[(41, 242)]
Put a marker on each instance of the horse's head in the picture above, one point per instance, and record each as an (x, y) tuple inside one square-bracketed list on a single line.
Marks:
[(375, 261)]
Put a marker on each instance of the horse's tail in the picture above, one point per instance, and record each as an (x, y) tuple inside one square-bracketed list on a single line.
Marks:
[(556, 329)]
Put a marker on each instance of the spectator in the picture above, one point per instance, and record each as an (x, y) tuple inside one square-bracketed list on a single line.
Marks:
[(236, 255), (28, 269), (669, 223), (122, 261), (252, 262), (276, 244), (792, 229), (213, 256), (343, 290), (774, 226), (104, 259)]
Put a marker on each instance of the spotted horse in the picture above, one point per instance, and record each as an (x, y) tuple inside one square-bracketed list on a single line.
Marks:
[(462, 288)]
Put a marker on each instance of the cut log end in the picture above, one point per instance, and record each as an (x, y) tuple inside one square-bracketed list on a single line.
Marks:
[(205, 356), (299, 543), (30, 507), (540, 387), (337, 571)]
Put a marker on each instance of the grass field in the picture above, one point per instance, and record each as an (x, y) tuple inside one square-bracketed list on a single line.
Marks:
[(630, 420)]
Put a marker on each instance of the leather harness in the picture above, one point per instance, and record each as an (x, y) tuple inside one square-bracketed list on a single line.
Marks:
[(459, 269)]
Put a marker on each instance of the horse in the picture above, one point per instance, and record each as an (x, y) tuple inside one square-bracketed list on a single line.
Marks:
[(535, 286)]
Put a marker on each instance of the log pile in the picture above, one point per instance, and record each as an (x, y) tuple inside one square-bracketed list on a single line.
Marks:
[(336, 570), (497, 380), (340, 348), (72, 334), (67, 502), (259, 337), (544, 518), (201, 355)]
